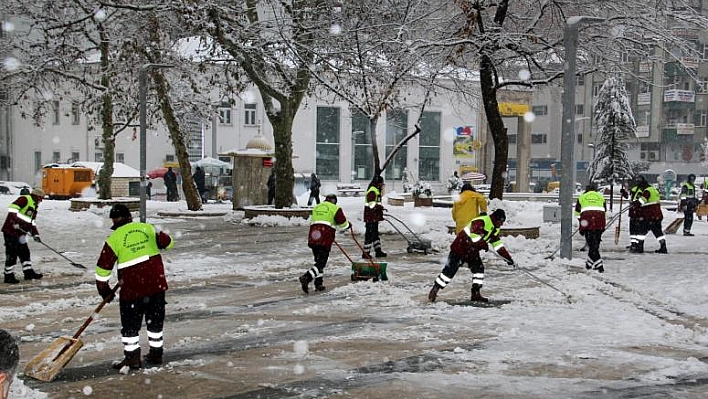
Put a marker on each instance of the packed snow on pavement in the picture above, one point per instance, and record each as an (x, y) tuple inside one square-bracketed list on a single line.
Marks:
[(565, 332)]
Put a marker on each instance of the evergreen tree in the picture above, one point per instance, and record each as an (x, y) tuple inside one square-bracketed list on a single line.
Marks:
[(615, 126)]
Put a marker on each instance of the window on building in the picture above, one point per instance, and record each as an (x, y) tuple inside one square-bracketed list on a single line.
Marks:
[(429, 146), (540, 110), (396, 130), (169, 158), (75, 113), (75, 156), (249, 114), (701, 87), (37, 161), (56, 157), (579, 109), (363, 152), (702, 118), (195, 145), (579, 138), (55, 112), (579, 80), (98, 156), (225, 113), (539, 138), (512, 138), (327, 143), (596, 89), (120, 157)]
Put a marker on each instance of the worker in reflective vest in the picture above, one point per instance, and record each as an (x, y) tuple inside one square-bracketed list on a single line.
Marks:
[(591, 209), (20, 223), (478, 235), (325, 217), (134, 249), (373, 214), (649, 203), (688, 203)]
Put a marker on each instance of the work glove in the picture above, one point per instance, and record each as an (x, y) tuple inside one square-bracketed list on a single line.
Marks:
[(483, 214), (624, 193), (105, 290), (511, 263), (36, 238)]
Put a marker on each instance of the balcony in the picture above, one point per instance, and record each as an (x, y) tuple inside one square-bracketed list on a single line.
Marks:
[(681, 96)]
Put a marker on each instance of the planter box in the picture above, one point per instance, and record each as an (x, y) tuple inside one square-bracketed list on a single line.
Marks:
[(396, 201), (418, 201)]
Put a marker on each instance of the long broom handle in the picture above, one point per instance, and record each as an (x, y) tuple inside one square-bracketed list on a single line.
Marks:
[(362, 250), (95, 312), (344, 252), (619, 223)]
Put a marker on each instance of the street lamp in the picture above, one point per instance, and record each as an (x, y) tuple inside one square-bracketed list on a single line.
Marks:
[(354, 134), (143, 140), (567, 185)]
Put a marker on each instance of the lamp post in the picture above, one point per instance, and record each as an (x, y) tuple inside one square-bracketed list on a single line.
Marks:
[(567, 183), (354, 134), (143, 139)]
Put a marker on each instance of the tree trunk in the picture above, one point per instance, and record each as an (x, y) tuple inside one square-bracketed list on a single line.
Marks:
[(284, 173), (105, 175), (496, 127), (194, 202)]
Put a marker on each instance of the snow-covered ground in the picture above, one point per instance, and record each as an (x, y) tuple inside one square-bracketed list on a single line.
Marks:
[(639, 328)]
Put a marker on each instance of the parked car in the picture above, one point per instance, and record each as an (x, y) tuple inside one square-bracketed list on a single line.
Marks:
[(13, 187)]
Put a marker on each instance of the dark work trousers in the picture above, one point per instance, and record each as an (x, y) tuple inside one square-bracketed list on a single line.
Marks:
[(634, 229), (14, 250), (371, 237), (453, 264), (654, 225), (321, 254), (152, 308), (691, 205), (593, 239)]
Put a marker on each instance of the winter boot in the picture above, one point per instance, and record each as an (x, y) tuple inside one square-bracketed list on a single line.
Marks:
[(688, 233), (433, 294), (365, 255), (132, 360), (476, 295), (662, 249), (11, 279), (305, 281), (30, 274), (319, 284), (381, 254), (638, 248), (154, 356)]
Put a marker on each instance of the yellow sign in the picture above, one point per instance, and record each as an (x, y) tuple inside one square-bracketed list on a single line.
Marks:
[(468, 168), (513, 109)]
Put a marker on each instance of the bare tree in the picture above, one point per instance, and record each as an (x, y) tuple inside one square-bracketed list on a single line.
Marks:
[(506, 37), (378, 59)]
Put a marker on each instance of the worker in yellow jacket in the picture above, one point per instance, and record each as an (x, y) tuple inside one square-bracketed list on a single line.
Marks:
[(468, 206)]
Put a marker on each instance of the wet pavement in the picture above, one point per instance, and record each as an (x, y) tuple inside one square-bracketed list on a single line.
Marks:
[(236, 334)]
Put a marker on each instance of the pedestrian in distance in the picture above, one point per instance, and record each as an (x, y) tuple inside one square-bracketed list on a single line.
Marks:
[(271, 187), (688, 203), (170, 179), (478, 235), (9, 359), (314, 190), (373, 214), (325, 216), (648, 208), (148, 190), (20, 223), (133, 249), (591, 208), (200, 181), (468, 206)]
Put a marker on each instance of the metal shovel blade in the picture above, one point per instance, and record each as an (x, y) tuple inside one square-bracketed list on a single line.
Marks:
[(48, 363)]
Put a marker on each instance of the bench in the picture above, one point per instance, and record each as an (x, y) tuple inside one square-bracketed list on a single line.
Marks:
[(346, 190)]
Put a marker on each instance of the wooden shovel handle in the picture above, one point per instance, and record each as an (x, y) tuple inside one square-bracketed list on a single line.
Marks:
[(95, 312)]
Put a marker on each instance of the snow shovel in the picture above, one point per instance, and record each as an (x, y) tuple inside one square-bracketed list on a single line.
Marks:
[(77, 265), (366, 270), (48, 363)]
